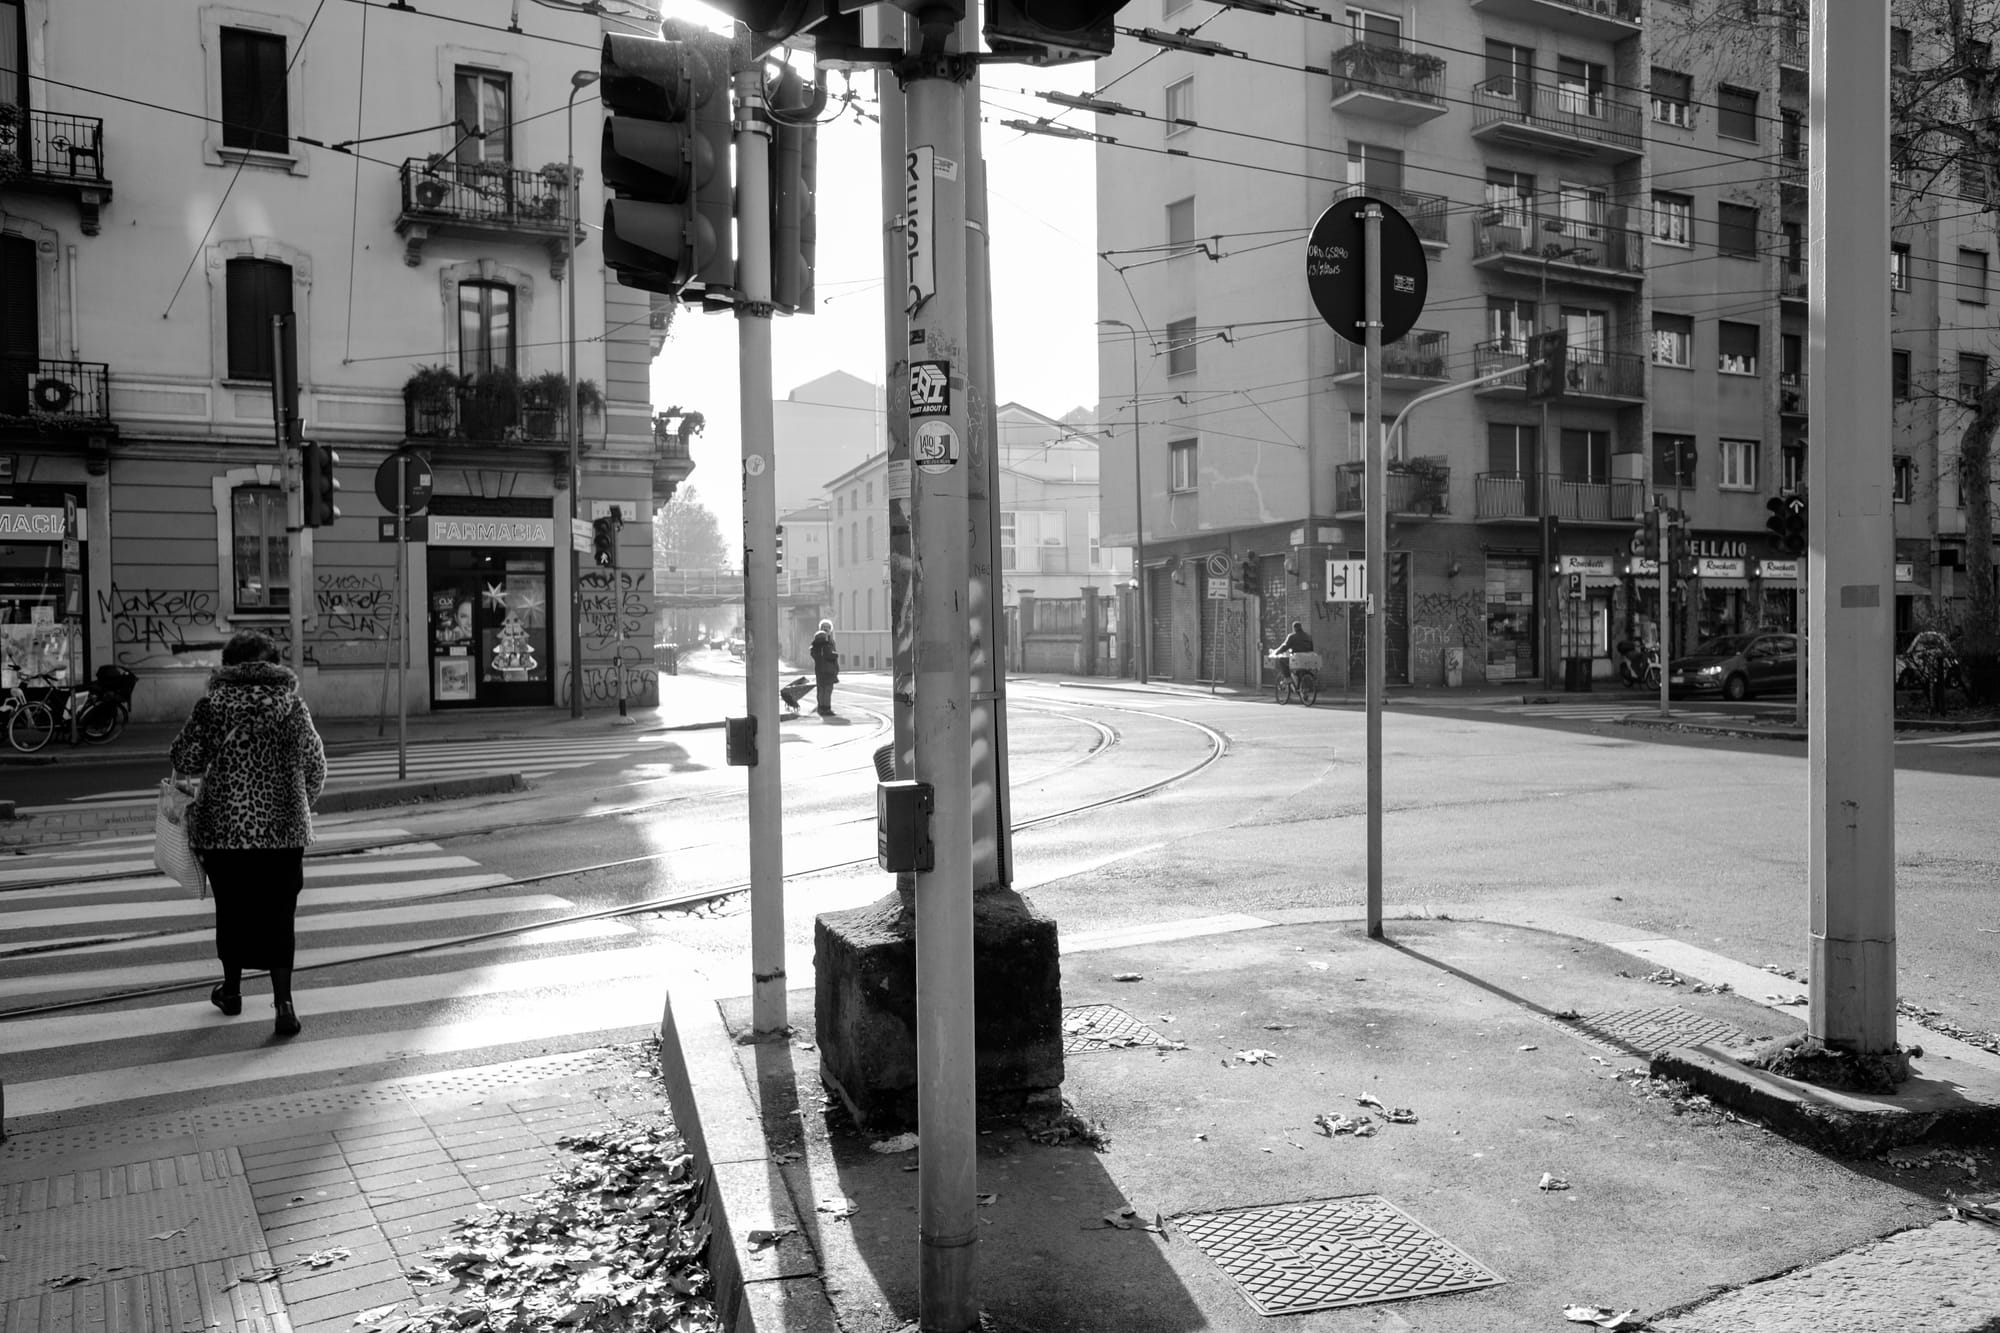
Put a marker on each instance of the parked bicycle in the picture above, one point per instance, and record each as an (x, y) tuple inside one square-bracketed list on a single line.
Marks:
[(96, 713), (1301, 682)]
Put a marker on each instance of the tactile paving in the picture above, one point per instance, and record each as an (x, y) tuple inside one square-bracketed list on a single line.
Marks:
[(1104, 1027), (1328, 1253), (150, 1231), (1643, 1031)]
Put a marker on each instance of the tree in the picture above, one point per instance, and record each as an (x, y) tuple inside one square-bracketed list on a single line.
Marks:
[(686, 535)]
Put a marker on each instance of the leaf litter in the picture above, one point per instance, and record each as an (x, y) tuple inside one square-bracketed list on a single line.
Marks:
[(1603, 1316)]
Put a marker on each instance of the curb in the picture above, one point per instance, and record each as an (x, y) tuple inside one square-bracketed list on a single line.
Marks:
[(430, 789), (1715, 729)]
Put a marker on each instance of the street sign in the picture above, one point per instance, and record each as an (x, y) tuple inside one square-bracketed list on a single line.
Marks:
[(415, 529), (1218, 590), (1218, 565), (1336, 271), (416, 495), (581, 534), (1347, 580), (1576, 587)]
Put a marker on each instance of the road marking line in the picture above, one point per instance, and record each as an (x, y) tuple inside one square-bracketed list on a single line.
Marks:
[(91, 915)]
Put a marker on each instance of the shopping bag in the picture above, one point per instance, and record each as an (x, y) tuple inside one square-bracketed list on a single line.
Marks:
[(172, 854)]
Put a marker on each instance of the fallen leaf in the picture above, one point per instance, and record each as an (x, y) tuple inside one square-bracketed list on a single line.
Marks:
[(1279, 1027), (168, 1235), (1370, 1100), (839, 1209), (1528, 1048), (1318, 967), (379, 1312), (67, 1280), (1127, 976), (988, 1200), (1602, 1315), (1333, 1124), (761, 1237), (1550, 1182), (1257, 1055), (1120, 1219), (900, 1143)]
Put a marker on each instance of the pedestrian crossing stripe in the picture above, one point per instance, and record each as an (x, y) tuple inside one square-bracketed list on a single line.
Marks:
[(311, 901), (316, 868)]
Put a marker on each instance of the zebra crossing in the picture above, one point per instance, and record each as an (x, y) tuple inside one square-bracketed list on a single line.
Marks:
[(97, 925), (531, 757), (1609, 710), (1955, 740)]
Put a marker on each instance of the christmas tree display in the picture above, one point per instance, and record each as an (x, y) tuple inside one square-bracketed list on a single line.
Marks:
[(512, 651)]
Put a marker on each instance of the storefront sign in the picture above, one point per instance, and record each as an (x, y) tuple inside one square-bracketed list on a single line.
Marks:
[(466, 531), (1778, 569), (1719, 548), (38, 524), (1906, 571), (1597, 566), (1640, 567), (1711, 568)]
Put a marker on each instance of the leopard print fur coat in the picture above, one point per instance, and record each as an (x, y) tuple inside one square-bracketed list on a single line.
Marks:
[(252, 741)]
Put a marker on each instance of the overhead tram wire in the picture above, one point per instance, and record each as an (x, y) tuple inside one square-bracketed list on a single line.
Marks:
[(354, 211)]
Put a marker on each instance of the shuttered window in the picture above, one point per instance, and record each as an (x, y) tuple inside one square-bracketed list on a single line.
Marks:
[(13, 55), (20, 339), (255, 113), (258, 290)]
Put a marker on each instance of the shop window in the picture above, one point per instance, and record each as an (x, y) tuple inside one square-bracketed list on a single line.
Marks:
[(1181, 460), (260, 552), (485, 327), (1739, 465), (257, 291), (255, 106), (483, 101)]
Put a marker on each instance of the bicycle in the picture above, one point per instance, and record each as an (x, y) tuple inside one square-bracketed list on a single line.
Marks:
[(1302, 681), (96, 713)]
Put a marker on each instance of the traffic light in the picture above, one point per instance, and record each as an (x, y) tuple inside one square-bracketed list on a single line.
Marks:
[(318, 487), (1549, 354), (1787, 522), (604, 542), (1649, 535), (1246, 575), (666, 155), (1051, 32), (795, 109), (778, 549)]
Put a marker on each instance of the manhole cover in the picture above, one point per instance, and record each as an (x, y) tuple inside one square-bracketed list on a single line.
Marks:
[(1643, 1031), (1321, 1255), (1104, 1027)]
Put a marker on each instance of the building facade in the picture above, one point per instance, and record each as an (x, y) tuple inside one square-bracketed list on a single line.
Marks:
[(423, 269), (1631, 174)]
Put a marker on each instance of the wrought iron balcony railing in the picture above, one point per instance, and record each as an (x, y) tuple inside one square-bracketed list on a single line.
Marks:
[(1588, 373), (1389, 70), (54, 145), (1503, 495), (485, 414), (1420, 354), (1583, 115), (477, 192), (55, 392), (1533, 238), (1418, 486), (1426, 212)]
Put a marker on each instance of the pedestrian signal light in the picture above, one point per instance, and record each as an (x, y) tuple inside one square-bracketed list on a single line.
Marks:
[(778, 549), (666, 157), (318, 487), (604, 542)]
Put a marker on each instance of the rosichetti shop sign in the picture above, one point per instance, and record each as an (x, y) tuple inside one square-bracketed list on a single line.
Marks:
[(483, 531)]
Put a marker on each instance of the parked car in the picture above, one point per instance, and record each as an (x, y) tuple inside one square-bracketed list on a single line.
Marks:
[(1738, 666)]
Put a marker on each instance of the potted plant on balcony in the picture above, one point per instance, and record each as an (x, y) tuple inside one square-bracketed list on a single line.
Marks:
[(10, 142), (550, 201), (1429, 482), (492, 406), (430, 401)]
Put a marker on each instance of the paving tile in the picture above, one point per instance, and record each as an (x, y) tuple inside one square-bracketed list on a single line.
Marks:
[(473, 1149), (260, 1163), (511, 1157), (461, 1198), (387, 1131), (281, 1143), (308, 1285), (344, 1212), (396, 1178), (444, 1218), (321, 1233), (312, 1184), (364, 1243), (400, 1150), (350, 1301)]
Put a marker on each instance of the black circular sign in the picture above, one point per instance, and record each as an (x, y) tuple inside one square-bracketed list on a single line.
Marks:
[(1335, 270), (416, 483)]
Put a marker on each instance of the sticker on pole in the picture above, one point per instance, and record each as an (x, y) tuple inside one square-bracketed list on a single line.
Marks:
[(935, 448), (930, 388), (919, 227)]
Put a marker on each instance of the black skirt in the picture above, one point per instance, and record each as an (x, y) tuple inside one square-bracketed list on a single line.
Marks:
[(256, 891)]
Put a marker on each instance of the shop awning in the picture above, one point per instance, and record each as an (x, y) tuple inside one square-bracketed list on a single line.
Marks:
[(1713, 582)]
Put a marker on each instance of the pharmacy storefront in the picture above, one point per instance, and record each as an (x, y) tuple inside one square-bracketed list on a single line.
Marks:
[(487, 604), (43, 564)]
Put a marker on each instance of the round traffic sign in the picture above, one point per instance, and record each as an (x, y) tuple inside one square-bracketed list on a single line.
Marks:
[(416, 496), (1218, 565), (1336, 270)]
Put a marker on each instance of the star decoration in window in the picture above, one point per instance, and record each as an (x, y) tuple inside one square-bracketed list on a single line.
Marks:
[(496, 597)]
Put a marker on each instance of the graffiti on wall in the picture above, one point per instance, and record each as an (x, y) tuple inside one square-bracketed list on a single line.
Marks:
[(615, 603), (600, 680), (153, 626), (353, 606), (1441, 620)]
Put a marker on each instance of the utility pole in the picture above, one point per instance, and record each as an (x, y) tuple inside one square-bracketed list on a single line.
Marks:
[(934, 179), (1376, 546), (760, 528), (1851, 838), (286, 404), (578, 81), (896, 396)]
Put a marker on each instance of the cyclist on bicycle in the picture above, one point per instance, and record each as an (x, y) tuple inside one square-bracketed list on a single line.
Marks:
[(1298, 641)]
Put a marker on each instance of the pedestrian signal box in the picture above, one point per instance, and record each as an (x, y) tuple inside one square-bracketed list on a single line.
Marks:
[(903, 826)]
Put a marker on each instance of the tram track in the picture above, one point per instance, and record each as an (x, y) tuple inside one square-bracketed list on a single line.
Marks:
[(1108, 737)]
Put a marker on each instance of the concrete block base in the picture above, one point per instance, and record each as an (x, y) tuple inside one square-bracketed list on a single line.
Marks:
[(865, 1008)]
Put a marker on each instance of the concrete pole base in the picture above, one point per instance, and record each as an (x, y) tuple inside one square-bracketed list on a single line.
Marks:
[(865, 1008)]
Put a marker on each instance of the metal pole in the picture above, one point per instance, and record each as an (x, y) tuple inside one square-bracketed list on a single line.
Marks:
[(1139, 629), (295, 503), (934, 176), (1545, 490), (760, 535), (896, 346), (1376, 541), (569, 293), (1667, 601), (1851, 839), (1801, 715), (402, 632)]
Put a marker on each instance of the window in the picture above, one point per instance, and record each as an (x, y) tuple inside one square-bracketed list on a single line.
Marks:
[(1739, 465), (1673, 98), (1972, 276), (1583, 334), (1357, 447), (1736, 113), (1586, 456), (1582, 208), (1180, 225), (1180, 347), (1023, 536), (1673, 340), (1673, 218), (1579, 87), (868, 551), (258, 289), (13, 54), (1795, 247), (839, 504), (1673, 460), (1972, 183), (1791, 359), (1905, 479), (1899, 373), (1899, 268), (1180, 106), (1509, 325), (1511, 450), (1736, 348), (1791, 135), (1899, 48), (868, 493), (255, 115), (1510, 71), (840, 546), (1971, 376), (1736, 231), (1792, 463), (1181, 465), (485, 327), (1376, 29), (812, 566), (1374, 165), (1094, 534), (261, 558), (484, 105), (1511, 194)]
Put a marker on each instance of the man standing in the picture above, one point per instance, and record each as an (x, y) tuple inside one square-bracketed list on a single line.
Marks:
[(826, 666)]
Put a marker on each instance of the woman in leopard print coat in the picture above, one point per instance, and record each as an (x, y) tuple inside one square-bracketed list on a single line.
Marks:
[(251, 741)]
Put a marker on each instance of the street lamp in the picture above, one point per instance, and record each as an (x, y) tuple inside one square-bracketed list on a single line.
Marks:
[(1138, 630), (578, 81)]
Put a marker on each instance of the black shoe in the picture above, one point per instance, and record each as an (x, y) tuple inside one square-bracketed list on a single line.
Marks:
[(229, 1002), (288, 1020)]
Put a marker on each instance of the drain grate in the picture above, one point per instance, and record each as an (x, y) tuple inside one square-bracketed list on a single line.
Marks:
[(1105, 1027), (1329, 1253), (1643, 1031)]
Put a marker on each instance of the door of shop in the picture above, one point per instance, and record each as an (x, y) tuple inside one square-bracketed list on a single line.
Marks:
[(1160, 610), (1395, 629), (1273, 619), (489, 627)]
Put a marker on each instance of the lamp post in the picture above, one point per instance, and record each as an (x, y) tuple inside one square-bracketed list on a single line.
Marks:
[(1138, 630), (1550, 637), (578, 81)]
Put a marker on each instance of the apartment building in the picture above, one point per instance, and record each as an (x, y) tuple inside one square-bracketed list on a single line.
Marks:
[(1631, 174), (394, 183)]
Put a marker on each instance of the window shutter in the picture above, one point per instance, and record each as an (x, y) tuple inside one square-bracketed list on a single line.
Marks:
[(19, 335), (255, 113), (258, 290), (465, 106)]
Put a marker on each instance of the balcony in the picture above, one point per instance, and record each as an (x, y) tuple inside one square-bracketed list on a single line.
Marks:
[(1616, 377), (481, 202), (1557, 118), (1516, 496), (1605, 20), (1418, 488), (492, 408), (1426, 212), (55, 153), (1793, 284), (1564, 250), (55, 395), (1414, 360), (1792, 394), (1792, 173), (1387, 82), (1792, 44), (673, 433)]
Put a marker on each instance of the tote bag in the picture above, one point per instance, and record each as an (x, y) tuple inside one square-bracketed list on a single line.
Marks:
[(172, 854)]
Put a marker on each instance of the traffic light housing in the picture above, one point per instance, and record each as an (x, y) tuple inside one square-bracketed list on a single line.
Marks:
[(778, 549), (1649, 534), (1787, 522), (795, 108), (1548, 356), (1246, 575), (318, 487), (1051, 32), (604, 543), (666, 156)]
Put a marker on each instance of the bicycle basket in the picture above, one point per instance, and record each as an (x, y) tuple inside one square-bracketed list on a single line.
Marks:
[(1305, 661)]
